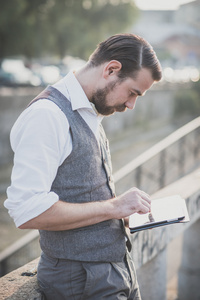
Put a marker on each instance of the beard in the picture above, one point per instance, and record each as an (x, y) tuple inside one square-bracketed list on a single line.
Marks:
[(99, 99)]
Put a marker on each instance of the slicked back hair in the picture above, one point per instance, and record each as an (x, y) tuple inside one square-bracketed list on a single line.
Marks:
[(132, 51)]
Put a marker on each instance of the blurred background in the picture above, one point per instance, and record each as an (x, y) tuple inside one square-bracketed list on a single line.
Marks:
[(41, 40)]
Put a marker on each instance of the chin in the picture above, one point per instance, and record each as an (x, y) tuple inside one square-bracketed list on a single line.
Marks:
[(121, 109), (107, 114)]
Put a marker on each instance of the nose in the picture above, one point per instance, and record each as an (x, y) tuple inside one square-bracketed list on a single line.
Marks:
[(131, 103)]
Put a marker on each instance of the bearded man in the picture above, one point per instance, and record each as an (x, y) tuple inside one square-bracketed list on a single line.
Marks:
[(62, 180)]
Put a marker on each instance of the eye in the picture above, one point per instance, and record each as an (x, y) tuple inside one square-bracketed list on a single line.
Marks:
[(131, 94)]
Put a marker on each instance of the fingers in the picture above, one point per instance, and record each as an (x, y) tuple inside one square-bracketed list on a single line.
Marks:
[(144, 195), (144, 202), (144, 209), (132, 201)]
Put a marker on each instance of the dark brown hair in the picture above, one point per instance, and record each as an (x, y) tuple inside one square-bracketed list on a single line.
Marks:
[(132, 51)]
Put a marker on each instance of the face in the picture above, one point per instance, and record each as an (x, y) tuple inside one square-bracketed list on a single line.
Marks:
[(118, 95)]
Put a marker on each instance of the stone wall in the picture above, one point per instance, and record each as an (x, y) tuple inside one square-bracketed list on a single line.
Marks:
[(21, 284)]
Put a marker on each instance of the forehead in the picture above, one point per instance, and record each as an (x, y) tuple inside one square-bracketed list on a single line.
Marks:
[(142, 82)]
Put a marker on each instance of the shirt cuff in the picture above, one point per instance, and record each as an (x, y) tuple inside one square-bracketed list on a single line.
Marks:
[(30, 208)]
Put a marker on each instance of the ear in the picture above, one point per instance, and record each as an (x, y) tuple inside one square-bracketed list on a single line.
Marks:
[(111, 68)]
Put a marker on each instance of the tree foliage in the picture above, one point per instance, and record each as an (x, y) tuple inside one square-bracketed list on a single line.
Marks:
[(49, 27)]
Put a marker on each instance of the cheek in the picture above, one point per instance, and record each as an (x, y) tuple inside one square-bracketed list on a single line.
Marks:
[(119, 97)]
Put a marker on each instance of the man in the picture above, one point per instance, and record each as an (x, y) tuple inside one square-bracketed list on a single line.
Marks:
[(62, 178)]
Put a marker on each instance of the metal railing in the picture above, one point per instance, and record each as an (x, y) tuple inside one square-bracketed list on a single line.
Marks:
[(173, 157), (164, 163)]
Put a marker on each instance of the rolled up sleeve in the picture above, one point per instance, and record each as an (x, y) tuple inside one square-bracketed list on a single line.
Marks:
[(39, 138)]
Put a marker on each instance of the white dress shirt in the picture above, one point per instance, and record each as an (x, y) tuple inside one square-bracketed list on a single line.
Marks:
[(41, 141)]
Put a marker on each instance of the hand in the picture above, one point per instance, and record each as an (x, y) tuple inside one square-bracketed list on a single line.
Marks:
[(132, 201)]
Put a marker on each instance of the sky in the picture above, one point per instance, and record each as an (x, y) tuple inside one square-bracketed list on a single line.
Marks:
[(160, 4)]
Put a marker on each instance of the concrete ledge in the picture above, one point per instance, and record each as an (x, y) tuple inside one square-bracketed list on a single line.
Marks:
[(21, 284)]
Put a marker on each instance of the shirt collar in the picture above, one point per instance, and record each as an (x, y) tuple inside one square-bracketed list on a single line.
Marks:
[(77, 95)]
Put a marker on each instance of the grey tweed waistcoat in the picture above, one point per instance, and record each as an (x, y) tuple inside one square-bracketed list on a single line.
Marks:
[(84, 176)]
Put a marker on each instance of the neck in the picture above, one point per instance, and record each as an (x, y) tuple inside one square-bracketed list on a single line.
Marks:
[(88, 78)]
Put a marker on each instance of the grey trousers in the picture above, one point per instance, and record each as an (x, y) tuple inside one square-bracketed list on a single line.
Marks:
[(61, 279)]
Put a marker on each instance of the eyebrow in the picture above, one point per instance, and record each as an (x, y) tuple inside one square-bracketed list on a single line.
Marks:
[(137, 92)]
